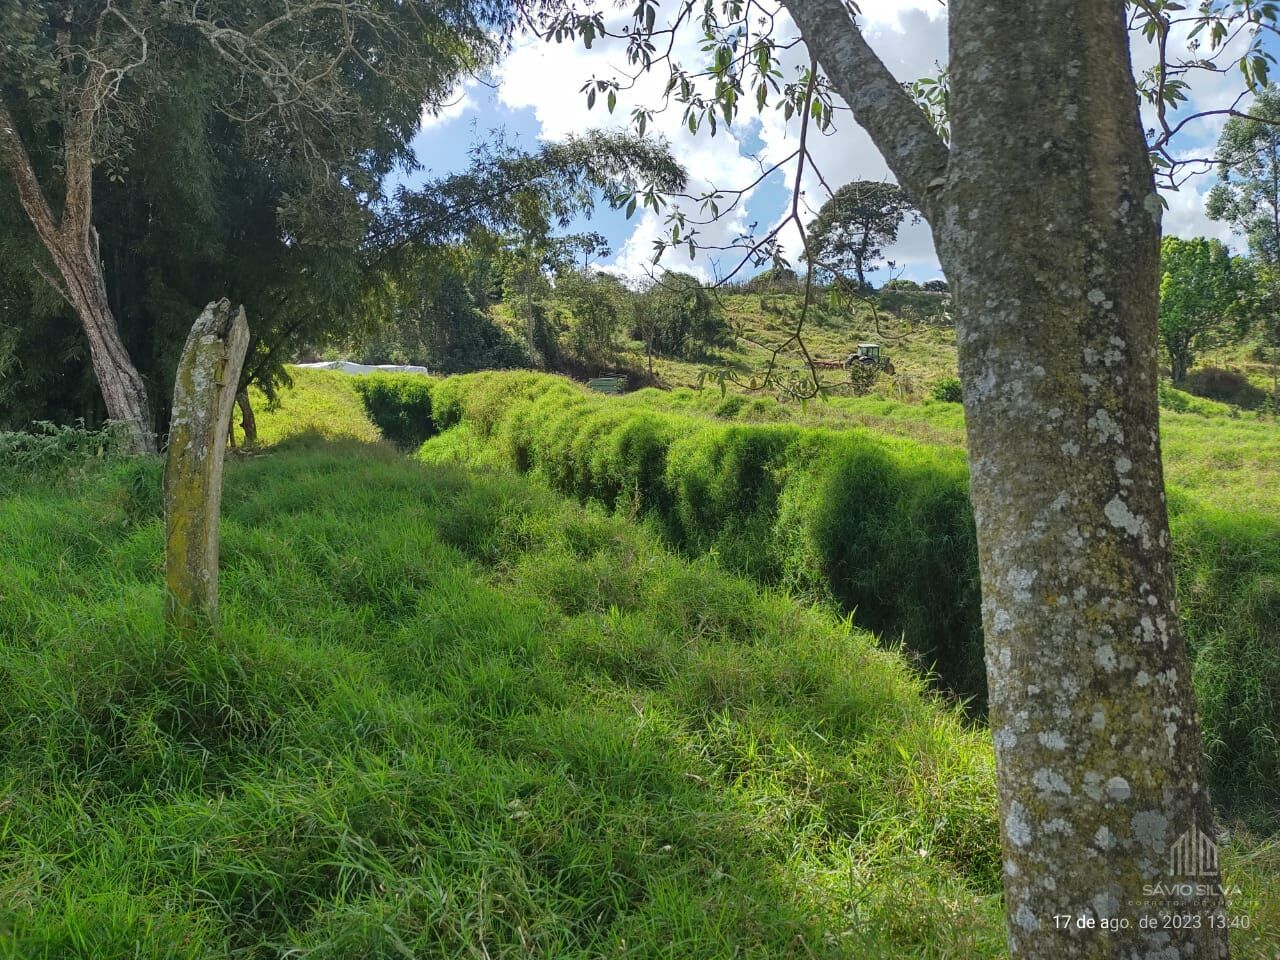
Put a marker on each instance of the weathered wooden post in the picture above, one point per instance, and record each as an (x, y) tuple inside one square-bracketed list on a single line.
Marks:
[(203, 396)]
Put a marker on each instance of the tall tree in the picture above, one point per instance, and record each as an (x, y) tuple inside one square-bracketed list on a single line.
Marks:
[(1247, 196), (854, 226), (1042, 201), (319, 80), (1205, 292)]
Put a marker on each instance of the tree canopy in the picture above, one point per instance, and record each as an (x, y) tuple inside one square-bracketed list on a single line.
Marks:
[(847, 238), (1203, 290), (1247, 194)]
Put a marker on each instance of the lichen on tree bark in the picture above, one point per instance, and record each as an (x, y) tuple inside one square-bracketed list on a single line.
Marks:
[(1046, 221), (203, 397)]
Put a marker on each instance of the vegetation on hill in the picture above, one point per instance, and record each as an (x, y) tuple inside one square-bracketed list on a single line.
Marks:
[(879, 525), (450, 712)]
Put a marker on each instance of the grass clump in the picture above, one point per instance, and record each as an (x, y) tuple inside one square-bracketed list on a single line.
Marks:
[(53, 450), (399, 406), (449, 714), (321, 404)]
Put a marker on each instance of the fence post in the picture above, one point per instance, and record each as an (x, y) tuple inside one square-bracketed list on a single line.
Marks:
[(203, 395)]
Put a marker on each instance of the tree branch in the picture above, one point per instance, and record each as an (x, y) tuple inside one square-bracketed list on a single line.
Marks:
[(899, 129)]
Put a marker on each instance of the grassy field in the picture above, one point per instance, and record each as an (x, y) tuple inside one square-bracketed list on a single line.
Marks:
[(450, 714), (1228, 461), (874, 522), (1222, 454)]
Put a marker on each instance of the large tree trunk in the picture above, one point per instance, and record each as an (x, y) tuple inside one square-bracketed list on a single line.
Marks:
[(1051, 243), (72, 244), (1047, 222)]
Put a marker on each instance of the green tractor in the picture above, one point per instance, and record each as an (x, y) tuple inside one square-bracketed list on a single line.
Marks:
[(867, 364), (869, 358)]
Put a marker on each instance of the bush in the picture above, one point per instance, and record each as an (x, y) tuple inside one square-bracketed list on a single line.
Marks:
[(948, 391), (877, 525), (57, 450), (1224, 386), (400, 406)]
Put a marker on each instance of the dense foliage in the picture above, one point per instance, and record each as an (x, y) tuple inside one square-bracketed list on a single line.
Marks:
[(400, 407), (1205, 298)]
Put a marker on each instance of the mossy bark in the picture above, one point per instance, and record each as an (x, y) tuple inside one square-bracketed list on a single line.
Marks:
[(1047, 223), (203, 397)]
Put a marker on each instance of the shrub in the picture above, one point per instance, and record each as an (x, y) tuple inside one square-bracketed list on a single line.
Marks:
[(400, 406), (877, 526), (1224, 386), (948, 391), (51, 449)]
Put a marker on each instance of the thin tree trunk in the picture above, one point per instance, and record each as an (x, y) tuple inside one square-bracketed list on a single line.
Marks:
[(1047, 223), (248, 422), (123, 391)]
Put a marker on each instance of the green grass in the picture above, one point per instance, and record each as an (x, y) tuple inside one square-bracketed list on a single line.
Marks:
[(322, 403), (450, 715), (1224, 456), (877, 524)]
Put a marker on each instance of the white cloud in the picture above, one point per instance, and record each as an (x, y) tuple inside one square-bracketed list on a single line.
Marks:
[(455, 105), (548, 80), (910, 36)]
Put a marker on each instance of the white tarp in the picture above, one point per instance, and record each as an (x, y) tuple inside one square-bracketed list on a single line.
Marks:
[(346, 366)]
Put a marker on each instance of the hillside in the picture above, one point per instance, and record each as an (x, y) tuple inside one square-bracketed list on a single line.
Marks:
[(452, 714), (1222, 454)]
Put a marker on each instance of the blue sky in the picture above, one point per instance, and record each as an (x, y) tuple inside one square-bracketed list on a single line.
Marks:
[(535, 94)]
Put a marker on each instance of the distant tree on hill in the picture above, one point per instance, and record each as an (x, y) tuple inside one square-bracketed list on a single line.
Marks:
[(1247, 196), (597, 302), (1203, 289), (675, 315), (426, 313), (848, 237)]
